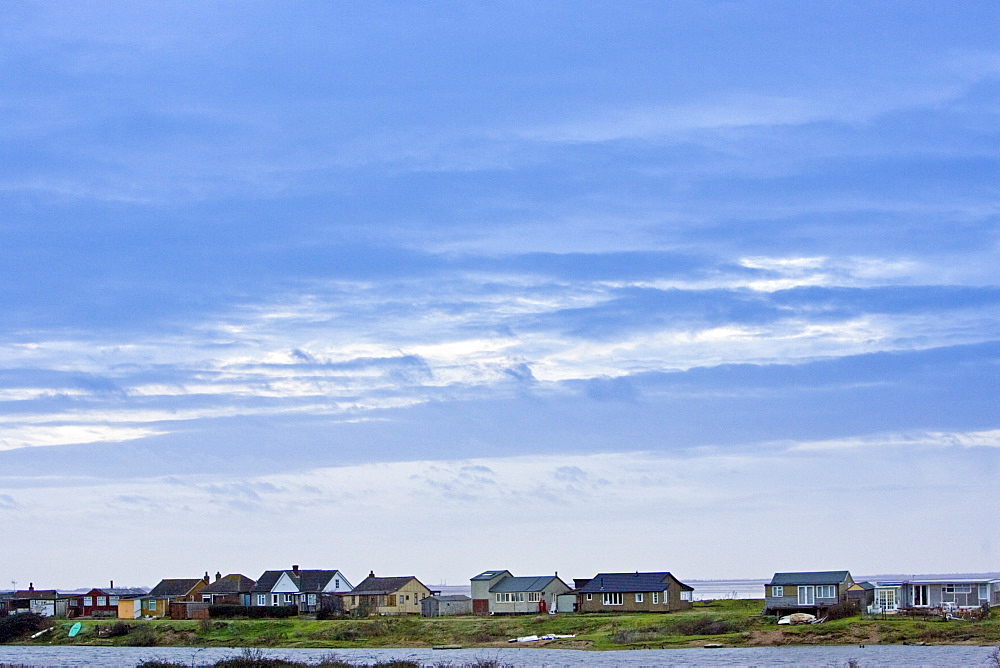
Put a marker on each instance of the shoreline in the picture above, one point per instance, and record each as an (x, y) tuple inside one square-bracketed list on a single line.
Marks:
[(732, 623)]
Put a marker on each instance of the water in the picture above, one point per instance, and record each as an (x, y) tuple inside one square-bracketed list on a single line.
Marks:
[(868, 657)]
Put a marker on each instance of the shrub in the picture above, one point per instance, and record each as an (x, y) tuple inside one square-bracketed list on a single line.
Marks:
[(13, 627), (252, 611), (116, 630), (141, 636), (704, 626)]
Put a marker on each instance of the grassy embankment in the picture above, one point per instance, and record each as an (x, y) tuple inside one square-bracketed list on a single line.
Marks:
[(731, 623)]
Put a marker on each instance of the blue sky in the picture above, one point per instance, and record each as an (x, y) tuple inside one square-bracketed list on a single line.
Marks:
[(709, 287)]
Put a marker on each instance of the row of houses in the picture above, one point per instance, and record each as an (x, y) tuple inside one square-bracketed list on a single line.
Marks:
[(817, 592), (496, 592), (312, 591)]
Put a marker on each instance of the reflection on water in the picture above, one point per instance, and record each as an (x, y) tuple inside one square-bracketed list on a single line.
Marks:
[(870, 656)]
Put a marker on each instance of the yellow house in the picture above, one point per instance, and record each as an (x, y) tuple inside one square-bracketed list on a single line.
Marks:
[(157, 602), (387, 596)]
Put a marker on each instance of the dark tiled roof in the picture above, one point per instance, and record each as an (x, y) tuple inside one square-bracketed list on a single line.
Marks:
[(305, 581), (314, 581), (234, 583), (173, 587), (630, 582), (810, 578), (513, 584), (34, 593), (266, 581), (375, 585)]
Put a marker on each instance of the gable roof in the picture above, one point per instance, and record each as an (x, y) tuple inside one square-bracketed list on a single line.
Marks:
[(234, 583), (376, 585), (174, 587), (531, 583), (810, 578), (630, 582), (304, 580)]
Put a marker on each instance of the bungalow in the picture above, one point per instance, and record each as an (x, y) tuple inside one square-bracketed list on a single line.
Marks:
[(307, 590), (634, 592), (22, 600), (102, 602), (233, 589), (157, 602), (811, 592), (387, 596), (936, 593)]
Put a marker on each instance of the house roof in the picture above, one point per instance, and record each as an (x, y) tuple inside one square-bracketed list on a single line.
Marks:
[(810, 578), (234, 583), (34, 593), (489, 575), (863, 585), (630, 582), (174, 587), (513, 584), (376, 585), (304, 580)]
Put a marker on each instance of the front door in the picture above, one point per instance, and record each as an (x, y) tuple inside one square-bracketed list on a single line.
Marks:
[(920, 595), (807, 595), (885, 599)]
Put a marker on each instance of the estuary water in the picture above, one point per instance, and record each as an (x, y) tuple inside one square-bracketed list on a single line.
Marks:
[(757, 657)]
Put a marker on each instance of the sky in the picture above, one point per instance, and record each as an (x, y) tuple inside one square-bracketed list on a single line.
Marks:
[(436, 288)]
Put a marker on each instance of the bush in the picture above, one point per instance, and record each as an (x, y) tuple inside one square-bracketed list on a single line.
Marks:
[(704, 626), (13, 627), (116, 630), (252, 611), (141, 636)]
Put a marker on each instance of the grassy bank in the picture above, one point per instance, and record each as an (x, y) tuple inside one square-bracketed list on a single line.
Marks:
[(731, 623)]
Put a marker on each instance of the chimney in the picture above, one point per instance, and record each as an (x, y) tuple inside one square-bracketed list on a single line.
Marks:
[(218, 575), (371, 574), (31, 586), (205, 578), (295, 569), (112, 584)]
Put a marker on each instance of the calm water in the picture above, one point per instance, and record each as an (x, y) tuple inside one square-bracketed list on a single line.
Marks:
[(884, 655)]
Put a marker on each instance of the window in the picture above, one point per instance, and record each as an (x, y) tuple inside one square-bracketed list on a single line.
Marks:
[(656, 597), (984, 592), (274, 599), (807, 595), (498, 598), (590, 597), (957, 594), (311, 599), (206, 598), (152, 604), (685, 596), (102, 600), (826, 591), (88, 601), (112, 600), (613, 598), (336, 583), (638, 598), (777, 591), (288, 599), (534, 596), (391, 600), (921, 595), (261, 599)]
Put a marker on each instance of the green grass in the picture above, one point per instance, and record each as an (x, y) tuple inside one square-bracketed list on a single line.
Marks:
[(732, 623)]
